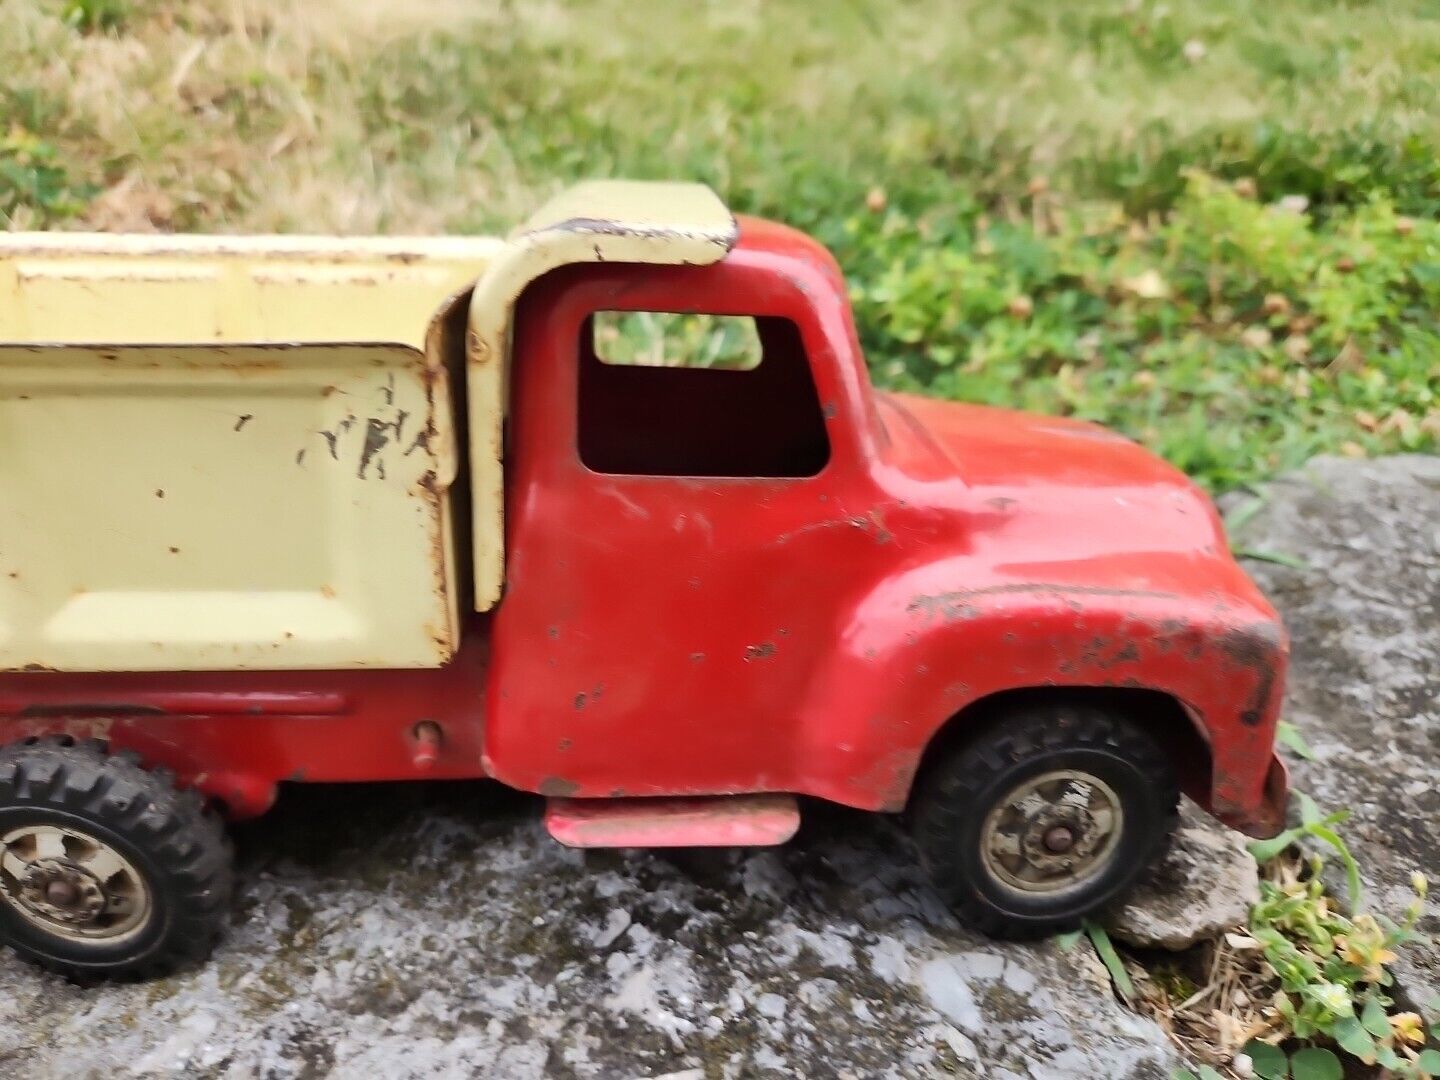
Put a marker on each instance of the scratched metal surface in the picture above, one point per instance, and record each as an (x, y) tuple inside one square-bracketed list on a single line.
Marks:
[(223, 507)]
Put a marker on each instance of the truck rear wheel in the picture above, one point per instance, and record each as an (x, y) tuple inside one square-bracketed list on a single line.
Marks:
[(106, 870), (1044, 818)]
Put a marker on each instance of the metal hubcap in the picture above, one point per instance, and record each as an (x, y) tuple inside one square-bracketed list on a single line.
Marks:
[(1052, 832), (71, 884), (1059, 839)]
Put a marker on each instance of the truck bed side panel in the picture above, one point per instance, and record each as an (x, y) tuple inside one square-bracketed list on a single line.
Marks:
[(170, 508)]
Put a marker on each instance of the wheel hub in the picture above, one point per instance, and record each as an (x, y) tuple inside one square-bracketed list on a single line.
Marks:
[(71, 884), (1058, 839), (1052, 832), (62, 892)]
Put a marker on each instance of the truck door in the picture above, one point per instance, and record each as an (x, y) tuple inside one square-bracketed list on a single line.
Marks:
[(684, 542)]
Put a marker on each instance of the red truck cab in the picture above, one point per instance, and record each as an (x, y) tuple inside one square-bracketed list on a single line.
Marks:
[(722, 589)]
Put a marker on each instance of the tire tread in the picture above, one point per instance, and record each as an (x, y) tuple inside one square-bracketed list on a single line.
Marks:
[(952, 791), (174, 827)]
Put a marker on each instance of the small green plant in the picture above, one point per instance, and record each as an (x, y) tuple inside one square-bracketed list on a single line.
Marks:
[(96, 15), (1288, 736), (1301, 986), (32, 177), (1318, 827), (1331, 971)]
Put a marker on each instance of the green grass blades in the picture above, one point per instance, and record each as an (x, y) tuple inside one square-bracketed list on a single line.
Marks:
[(1105, 949)]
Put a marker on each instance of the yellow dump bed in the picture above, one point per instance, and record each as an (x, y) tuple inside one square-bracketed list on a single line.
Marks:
[(225, 452), (237, 452)]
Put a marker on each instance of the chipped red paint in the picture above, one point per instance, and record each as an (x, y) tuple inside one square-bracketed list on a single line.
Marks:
[(946, 553), (683, 636)]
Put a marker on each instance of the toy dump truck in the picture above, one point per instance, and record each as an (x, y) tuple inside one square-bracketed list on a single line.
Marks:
[(277, 510)]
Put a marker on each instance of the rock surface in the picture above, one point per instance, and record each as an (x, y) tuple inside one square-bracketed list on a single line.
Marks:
[(1205, 885), (435, 932), (1364, 619)]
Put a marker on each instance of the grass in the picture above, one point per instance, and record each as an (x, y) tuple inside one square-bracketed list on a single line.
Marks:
[(1068, 207)]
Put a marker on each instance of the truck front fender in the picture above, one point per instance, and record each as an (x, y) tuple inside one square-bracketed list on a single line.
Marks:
[(911, 661)]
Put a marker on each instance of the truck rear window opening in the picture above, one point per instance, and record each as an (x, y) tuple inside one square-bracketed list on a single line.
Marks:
[(667, 394)]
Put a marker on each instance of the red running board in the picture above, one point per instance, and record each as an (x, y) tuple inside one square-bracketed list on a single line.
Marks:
[(712, 821)]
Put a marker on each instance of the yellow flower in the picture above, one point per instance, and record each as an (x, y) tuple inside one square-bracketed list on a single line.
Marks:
[(1408, 1028), (1365, 947)]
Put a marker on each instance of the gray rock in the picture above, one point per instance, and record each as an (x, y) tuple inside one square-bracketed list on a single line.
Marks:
[(433, 932), (1364, 689), (1205, 885)]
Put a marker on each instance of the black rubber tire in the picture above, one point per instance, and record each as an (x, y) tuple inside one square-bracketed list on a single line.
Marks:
[(174, 842), (958, 792)]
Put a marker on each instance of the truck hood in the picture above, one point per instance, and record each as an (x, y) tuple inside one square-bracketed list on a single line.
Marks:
[(989, 446), (1045, 499)]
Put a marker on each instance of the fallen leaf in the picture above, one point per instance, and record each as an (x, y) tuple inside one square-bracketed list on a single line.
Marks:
[(1349, 358), (1276, 304), (1148, 285)]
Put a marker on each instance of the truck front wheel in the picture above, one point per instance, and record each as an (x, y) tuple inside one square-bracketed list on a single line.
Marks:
[(106, 870), (1044, 818)]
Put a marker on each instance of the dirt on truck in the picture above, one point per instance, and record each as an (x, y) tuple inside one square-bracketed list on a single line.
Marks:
[(288, 509)]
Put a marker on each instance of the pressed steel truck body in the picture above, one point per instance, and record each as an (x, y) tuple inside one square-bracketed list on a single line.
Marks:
[(334, 510)]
